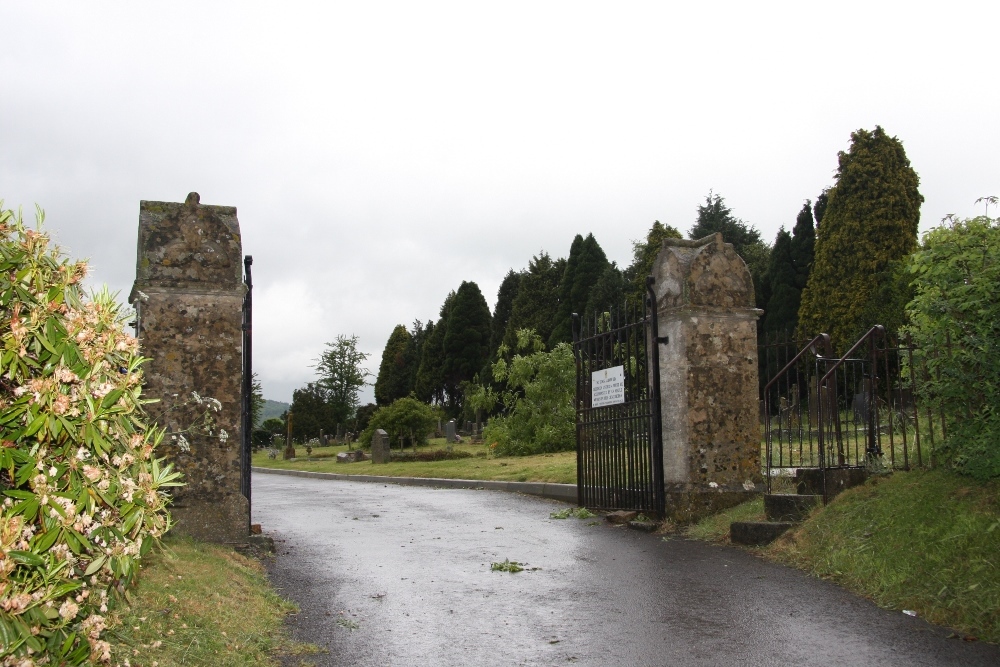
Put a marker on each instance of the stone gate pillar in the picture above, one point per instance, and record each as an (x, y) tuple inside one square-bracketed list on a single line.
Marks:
[(708, 376), (189, 282)]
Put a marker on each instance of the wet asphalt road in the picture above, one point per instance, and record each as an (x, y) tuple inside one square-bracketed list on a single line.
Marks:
[(409, 567)]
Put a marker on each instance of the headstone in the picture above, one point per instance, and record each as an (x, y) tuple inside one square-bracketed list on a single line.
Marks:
[(380, 446), (323, 440), (708, 376), (189, 282), (450, 433)]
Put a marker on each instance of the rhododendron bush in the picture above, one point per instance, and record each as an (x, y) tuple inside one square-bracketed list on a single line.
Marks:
[(83, 495)]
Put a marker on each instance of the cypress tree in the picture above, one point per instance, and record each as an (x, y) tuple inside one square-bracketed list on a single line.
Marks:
[(466, 340), (607, 294), (537, 302), (582, 272), (430, 384), (502, 312), (393, 379), (868, 226), (803, 245), (783, 305)]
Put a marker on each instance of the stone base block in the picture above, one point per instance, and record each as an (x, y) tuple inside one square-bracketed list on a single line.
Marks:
[(757, 533), (225, 521), (789, 507), (688, 506), (809, 481)]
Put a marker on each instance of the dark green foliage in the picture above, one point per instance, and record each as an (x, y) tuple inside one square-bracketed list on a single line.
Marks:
[(607, 294), (342, 376), (803, 245), (394, 372), (955, 324), (466, 340), (502, 312), (788, 270), (274, 425), (643, 255), (783, 305), (430, 382), (870, 222), (362, 416), (714, 216), (819, 208), (584, 267), (312, 411), (537, 300)]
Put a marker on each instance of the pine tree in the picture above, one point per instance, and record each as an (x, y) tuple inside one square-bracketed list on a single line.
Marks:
[(579, 278), (868, 226), (393, 379)]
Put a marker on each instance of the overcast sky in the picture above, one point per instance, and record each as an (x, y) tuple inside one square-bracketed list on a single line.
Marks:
[(381, 153)]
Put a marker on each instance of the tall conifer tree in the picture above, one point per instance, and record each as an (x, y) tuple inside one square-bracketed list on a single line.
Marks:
[(393, 379), (584, 267), (466, 340), (869, 224)]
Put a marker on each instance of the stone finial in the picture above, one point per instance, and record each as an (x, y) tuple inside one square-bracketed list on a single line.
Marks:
[(193, 199)]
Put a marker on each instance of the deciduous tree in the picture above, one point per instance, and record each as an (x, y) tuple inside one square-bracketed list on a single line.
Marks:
[(342, 375)]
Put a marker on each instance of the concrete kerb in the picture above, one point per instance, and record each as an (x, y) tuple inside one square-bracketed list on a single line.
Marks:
[(564, 492)]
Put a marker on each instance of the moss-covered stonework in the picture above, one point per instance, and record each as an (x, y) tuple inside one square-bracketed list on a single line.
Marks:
[(189, 267), (708, 376)]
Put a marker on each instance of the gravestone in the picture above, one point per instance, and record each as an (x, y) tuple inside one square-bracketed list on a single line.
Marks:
[(451, 435), (708, 377), (380, 446), (189, 286)]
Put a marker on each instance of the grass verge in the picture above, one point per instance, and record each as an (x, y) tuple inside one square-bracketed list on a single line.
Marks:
[(925, 540), (559, 467), (201, 604)]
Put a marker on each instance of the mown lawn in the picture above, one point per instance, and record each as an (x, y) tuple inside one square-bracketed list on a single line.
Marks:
[(559, 467)]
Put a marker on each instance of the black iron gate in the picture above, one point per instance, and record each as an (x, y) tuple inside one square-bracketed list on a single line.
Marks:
[(246, 413), (618, 435)]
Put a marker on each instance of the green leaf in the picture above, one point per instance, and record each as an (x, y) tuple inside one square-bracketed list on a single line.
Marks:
[(26, 558), (95, 565)]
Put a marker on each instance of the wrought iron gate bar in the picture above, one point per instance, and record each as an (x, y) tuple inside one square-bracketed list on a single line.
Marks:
[(617, 445)]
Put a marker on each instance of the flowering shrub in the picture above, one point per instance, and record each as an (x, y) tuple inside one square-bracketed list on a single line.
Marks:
[(82, 493)]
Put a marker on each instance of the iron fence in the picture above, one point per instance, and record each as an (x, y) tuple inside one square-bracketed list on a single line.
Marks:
[(861, 409)]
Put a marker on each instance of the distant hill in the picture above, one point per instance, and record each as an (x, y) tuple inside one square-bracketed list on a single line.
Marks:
[(272, 409)]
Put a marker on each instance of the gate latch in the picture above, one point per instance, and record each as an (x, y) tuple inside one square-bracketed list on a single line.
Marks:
[(665, 340)]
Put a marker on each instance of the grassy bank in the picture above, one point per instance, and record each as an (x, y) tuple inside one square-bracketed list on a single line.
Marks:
[(927, 541), (200, 604), (559, 467)]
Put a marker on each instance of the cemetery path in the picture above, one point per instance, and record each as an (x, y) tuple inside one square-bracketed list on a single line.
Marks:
[(392, 575)]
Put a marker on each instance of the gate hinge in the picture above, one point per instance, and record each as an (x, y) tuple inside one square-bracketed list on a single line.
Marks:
[(665, 340)]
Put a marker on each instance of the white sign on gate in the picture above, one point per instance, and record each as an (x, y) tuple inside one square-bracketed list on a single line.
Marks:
[(607, 387)]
